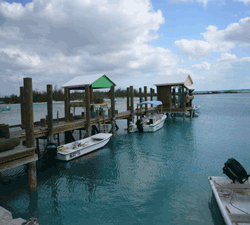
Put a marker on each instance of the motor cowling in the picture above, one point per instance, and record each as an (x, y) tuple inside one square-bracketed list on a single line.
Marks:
[(235, 171), (139, 125)]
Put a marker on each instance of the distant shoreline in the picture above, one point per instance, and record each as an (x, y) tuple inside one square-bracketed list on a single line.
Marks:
[(216, 93)]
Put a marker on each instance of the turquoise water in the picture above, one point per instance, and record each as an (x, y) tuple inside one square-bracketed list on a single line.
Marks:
[(140, 178)]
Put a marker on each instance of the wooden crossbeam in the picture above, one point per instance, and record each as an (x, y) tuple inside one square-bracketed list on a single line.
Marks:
[(18, 162)]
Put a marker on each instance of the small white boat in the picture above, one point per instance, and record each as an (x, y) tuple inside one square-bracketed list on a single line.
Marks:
[(4, 107), (151, 122), (232, 194), (196, 108), (78, 148), (233, 200)]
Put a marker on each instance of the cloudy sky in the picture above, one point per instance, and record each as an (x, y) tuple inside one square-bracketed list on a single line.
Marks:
[(134, 42)]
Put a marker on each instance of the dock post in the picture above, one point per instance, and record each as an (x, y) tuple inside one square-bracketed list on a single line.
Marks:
[(151, 95), (50, 112), (184, 117), (66, 104), (132, 103), (128, 106), (57, 116), (29, 130), (146, 98), (22, 108), (37, 147), (140, 95), (67, 134), (98, 119), (174, 102), (191, 113), (113, 109), (103, 116), (91, 95), (87, 101), (58, 139)]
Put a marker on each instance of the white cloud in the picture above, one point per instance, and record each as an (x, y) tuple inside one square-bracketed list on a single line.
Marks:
[(60, 39), (217, 40), (196, 48), (204, 2), (202, 66), (244, 1)]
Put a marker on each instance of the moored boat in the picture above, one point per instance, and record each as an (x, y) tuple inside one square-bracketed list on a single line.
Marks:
[(152, 121), (78, 148), (232, 194), (4, 107), (196, 108)]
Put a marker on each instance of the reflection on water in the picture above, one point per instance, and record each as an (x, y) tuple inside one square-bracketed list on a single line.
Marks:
[(140, 178)]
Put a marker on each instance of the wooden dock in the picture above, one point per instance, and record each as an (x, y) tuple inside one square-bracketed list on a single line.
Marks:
[(48, 127)]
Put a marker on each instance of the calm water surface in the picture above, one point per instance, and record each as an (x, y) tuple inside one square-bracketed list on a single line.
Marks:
[(158, 178)]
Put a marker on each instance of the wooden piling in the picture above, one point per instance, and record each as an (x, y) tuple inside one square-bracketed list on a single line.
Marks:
[(29, 129), (22, 107), (132, 102), (87, 101), (146, 98), (66, 113), (50, 112), (140, 100), (103, 116), (43, 122), (57, 116), (58, 139), (113, 109), (151, 95), (91, 95), (98, 119), (37, 147), (71, 118), (66, 104), (174, 100), (128, 105)]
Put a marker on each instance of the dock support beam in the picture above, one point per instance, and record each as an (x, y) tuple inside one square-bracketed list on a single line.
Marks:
[(66, 113), (140, 95), (87, 101), (91, 95), (132, 103), (50, 113), (151, 95), (146, 98), (113, 109), (22, 107), (128, 105), (66, 104), (29, 129)]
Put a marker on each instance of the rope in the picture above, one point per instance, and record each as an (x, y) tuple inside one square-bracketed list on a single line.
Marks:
[(231, 195)]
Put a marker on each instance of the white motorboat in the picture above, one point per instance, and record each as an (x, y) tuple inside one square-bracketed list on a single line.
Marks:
[(232, 195), (78, 148), (151, 122), (196, 108)]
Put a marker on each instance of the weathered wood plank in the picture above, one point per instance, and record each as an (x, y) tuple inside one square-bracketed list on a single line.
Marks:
[(18, 162)]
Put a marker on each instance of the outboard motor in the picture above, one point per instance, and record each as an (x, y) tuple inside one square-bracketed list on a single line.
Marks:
[(139, 126), (235, 171)]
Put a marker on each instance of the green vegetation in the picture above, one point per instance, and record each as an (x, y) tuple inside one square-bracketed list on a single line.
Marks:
[(58, 95)]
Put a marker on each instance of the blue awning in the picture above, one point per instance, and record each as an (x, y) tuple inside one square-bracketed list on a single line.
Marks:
[(1, 102), (156, 103)]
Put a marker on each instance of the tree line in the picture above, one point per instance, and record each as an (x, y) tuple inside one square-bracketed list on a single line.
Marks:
[(58, 95)]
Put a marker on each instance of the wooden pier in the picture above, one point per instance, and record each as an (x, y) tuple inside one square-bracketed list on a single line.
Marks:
[(49, 127)]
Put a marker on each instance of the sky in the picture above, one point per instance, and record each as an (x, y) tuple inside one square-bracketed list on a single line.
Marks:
[(133, 42)]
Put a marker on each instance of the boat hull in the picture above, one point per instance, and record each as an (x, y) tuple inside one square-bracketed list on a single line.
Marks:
[(230, 198), (150, 128), (82, 150)]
